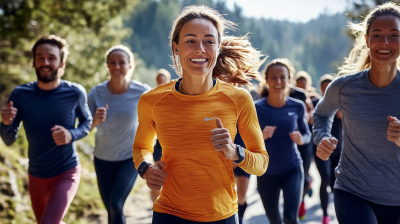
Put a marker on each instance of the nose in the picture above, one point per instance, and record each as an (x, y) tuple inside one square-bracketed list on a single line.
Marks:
[(46, 61), (385, 40), (200, 48)]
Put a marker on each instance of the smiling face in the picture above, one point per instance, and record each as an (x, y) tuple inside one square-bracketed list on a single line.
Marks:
[(197, 47), (383, 39), (118, 64), (47, 62), (277, 79), (301, 83)]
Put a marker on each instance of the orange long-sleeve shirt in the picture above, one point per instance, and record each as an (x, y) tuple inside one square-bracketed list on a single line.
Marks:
[(200, 183)]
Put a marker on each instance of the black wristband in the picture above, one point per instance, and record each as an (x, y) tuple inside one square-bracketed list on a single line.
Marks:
[(241, 154), (142, 168)]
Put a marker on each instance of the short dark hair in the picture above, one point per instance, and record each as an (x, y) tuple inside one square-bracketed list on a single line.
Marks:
[(54, 40)]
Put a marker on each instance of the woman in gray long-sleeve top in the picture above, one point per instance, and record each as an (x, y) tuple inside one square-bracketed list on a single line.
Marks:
[(367, 189)]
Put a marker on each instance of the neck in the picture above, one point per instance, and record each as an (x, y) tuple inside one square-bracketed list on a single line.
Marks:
[(196, 85), (382, 75), (49, 85), (118, 86), (276, 100)]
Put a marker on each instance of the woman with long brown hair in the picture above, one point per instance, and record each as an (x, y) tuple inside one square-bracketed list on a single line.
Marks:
[(195, 120), (367, 187)]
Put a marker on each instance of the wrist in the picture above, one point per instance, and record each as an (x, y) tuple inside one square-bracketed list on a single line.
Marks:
[(143, 168), (240, 154)]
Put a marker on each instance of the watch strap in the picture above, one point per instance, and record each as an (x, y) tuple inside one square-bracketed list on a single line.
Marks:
[(142, 168), (240, 153)]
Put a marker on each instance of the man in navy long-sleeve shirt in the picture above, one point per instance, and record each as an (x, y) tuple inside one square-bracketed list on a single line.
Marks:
[(48, 109)]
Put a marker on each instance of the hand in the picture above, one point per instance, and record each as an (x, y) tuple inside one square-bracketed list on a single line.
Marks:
[(8, 113), (155, 175), (100, 115), (268, 132), (326, 147), (61, 135), (221, 140), (393, 133), (297, 137)]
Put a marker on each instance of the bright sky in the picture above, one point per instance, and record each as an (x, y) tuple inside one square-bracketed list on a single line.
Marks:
[(292, 10)]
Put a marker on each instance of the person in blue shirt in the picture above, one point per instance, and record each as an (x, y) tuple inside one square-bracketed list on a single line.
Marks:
[(284, 126), (48, 109)]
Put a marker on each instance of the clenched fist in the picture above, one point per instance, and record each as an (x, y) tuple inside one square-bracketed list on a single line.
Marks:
[(393, 133), (61, 135), (8, 113), (222, 142), (99, 116), (268, 131), (297, 137), (326, 147)]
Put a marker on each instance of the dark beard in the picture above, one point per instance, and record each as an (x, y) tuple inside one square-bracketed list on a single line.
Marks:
[(46, 79)]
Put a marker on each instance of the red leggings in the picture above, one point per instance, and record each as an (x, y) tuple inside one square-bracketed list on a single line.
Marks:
[(51, 197)]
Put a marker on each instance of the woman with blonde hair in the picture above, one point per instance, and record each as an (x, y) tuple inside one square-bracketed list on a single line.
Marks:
[(113, 105), (195, 120), (284, 126), (367, 187)]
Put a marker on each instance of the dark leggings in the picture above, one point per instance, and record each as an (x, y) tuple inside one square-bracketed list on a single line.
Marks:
[(327, 171), (115, 181), (163, 218), (352, 209), (270, 186), (307, 156)]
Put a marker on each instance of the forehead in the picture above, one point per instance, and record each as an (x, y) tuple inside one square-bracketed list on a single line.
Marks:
[(118, 55), (47, 49), (385, 22), (278, 69), (199, 27)]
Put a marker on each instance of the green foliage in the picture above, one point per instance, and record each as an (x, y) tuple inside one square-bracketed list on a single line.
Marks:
[(90, 27)]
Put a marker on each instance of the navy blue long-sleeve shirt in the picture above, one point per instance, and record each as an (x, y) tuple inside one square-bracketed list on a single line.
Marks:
[(40, 110), (283, 152)]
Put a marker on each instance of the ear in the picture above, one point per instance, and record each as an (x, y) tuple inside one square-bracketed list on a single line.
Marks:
[(175, 48), (366, 40), (62, 65)]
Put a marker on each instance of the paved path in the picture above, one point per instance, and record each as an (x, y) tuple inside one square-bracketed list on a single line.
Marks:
[(138, 206)]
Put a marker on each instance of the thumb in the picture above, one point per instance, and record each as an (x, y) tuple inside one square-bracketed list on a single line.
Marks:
[(274, 127), (390, 118), (56, 127), (106, 106), (10, 104), (161, 164), (219, 123), (333, 140)]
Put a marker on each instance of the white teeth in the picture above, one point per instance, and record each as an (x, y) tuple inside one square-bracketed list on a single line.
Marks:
[(384, 51), (199, 60)]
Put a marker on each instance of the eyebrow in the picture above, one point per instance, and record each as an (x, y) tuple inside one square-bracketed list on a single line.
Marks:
[(39, 54), (194, 35), (381, 30)]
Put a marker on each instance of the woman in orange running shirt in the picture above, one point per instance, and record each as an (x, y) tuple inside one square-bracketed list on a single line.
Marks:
[(195, 120)]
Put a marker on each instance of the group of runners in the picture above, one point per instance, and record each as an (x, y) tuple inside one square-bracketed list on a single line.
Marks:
[(211, 132)]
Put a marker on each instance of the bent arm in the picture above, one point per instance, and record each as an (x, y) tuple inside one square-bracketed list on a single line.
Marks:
[(84, 116), (325, 112), (256, 157), (142, 149), (9, 133)]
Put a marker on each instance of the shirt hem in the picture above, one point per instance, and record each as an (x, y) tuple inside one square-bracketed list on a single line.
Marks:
[(157, 208)]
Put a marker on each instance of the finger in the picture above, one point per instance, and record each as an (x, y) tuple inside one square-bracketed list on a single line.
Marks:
[(393, 134), (274, 128), (219, 123), (394, 124), (219, 131), (334, 141), (220, 142), (56, 127), (106, 106), (322, 156), (153, 186), (161, 164), (395, 128), (390, 118), (328, 144), (220, 136), (10, 104), (156, 180)]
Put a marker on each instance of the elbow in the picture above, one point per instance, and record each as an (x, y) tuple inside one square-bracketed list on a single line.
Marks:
[(261, 172)]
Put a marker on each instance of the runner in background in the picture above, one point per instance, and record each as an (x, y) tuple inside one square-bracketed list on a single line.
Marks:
[(113, 104), (48, 109), (306, 149), (367, 187), (163, 77), (196, 118), (284, 126)]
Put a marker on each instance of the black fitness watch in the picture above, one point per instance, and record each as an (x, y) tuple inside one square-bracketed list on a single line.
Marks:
[(241, 154), (142, 168)]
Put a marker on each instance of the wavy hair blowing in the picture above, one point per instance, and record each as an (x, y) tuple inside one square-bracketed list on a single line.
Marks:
[(276, 62), (237, 62), (129, 53), (359, 57)]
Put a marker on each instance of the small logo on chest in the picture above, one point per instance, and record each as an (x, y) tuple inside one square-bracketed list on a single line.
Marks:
[(208, 119), (290, 113)]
